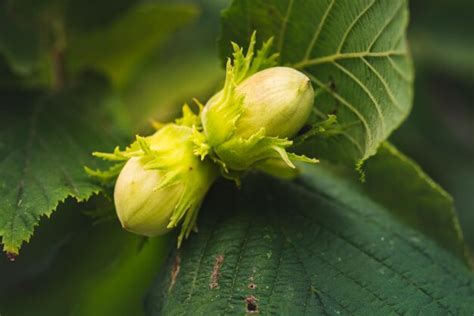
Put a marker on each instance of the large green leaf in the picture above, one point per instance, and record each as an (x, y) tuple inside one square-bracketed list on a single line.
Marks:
[(355, 53), (411, 195), (287, 248), (45, 141)]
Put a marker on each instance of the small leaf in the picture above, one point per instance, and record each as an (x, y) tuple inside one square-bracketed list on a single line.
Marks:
[(356, 55)]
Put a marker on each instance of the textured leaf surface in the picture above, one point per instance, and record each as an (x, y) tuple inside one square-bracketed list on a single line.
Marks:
[(355, 53), (44, 143), (399, 185), (290, 249), (414, 197)]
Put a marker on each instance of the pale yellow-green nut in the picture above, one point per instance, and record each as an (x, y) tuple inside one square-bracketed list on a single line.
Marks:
[(140, 206), (163, 183), (278, 99), (250, 122)]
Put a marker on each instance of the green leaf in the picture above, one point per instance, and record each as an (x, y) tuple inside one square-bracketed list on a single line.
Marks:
[(356, 55), (411, 195), (291, 249), (44, 143), (414, 197), (117, 47)]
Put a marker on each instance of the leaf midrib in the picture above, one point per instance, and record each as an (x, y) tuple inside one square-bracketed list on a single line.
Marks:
[(353, 55)]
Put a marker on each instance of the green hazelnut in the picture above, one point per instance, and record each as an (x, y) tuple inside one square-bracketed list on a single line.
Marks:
[(141, 207), (278, 99), (163, 184), (250, 122)]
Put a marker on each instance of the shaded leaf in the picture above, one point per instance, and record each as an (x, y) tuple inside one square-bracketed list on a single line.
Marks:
[(356, 54), (292, 249)]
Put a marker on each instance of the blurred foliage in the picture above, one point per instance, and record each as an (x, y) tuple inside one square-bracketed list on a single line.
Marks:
[(440, 36), (38, 37), (73, 264), (118, 46)]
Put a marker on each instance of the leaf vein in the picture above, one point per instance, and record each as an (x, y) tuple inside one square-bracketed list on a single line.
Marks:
[(366, 90), (284, 25), (384, 27), (201, 259), (237, 267), (357, 282), (318, 30), (386, 87), (306, 273), (354, 55), (20, 189), (306, 190), (382, 262), (402, 75), (280, 258), (351, 26), (346, 103)]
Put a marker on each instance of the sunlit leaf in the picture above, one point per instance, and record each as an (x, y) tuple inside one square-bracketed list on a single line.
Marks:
[(356, 55)]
